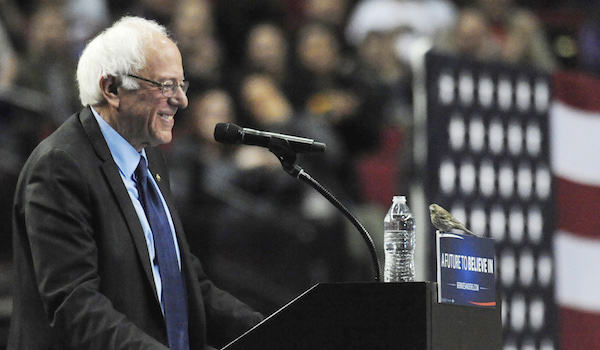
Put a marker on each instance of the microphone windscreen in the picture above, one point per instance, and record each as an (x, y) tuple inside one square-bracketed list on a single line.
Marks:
[(227, 133)]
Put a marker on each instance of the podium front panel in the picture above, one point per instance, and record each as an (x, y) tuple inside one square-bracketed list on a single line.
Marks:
[(374, 316)]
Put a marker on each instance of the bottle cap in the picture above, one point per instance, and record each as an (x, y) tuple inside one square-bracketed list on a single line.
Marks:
[(401, 199)]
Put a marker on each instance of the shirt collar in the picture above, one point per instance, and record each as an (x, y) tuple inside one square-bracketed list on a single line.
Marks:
[(125, 156)]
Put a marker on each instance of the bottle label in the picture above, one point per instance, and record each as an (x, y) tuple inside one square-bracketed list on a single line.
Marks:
[(399, 256)]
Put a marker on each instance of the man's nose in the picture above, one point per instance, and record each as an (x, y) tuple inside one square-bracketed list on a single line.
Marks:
[(179, 99)]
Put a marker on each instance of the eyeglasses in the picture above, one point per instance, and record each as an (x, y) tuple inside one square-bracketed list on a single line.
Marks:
[(168, 87)]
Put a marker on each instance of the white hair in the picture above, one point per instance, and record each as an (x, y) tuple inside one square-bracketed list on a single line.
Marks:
[(119, 50)]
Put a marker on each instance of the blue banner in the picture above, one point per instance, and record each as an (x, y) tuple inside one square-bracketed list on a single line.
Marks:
[(466, 270)]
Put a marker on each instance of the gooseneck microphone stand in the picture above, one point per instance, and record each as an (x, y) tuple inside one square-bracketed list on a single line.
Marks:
[(286, 155)]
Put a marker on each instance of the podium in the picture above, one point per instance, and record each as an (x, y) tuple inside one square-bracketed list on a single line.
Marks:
[(375, 316)]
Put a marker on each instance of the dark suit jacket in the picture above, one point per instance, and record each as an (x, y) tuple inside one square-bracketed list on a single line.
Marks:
[(83, 279)]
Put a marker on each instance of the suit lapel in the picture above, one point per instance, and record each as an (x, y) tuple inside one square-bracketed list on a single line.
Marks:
[(111, 171)]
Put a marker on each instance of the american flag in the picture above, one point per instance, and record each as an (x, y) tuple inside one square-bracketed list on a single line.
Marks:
[(488, 162), (575, 131)]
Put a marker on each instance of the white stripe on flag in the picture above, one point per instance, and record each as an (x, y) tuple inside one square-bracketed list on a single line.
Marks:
[(575, 144), (577, 272)]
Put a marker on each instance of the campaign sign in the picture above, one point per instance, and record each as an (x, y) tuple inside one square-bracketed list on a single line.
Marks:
[(465, 270)]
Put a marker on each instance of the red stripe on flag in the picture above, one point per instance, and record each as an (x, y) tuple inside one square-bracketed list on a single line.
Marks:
[(579, 329), (577, 208), (577, 90)]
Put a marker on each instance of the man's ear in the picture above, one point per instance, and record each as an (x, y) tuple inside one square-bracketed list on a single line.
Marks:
[(109, 86)]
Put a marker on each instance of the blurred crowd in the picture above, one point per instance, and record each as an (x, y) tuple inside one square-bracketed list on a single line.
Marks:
[(338, 71)]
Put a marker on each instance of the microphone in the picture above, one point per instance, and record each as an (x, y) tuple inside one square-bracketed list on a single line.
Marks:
[(229, 133)]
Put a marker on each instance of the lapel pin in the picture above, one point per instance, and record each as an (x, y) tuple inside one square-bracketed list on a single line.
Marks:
[(158, 177)]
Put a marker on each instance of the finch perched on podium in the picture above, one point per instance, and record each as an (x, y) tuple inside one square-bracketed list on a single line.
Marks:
[(444, 221)]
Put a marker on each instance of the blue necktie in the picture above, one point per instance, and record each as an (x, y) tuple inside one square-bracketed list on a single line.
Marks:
[(173, 288)]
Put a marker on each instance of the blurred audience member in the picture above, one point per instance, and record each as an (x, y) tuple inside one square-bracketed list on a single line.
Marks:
[(205, 64), (386, 34), (21, 123), (323, 77), (380, 68), (8, 59), (264, 102), (518, 33), (325, 84), (194, 29), (193, 19), (470, 37), (269, 108), (235, 18), (14, 17), (85, 19), (332, 12), (414, 22), (389, 79), (267, 51), (48, 65)]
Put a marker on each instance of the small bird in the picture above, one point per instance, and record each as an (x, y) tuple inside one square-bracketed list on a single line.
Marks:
[(444, 221)]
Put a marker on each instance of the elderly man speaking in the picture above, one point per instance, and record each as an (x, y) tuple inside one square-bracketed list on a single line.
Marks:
[(100, 257)]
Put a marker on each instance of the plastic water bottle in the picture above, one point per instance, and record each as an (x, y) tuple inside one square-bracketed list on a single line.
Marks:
[(399, 242)]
